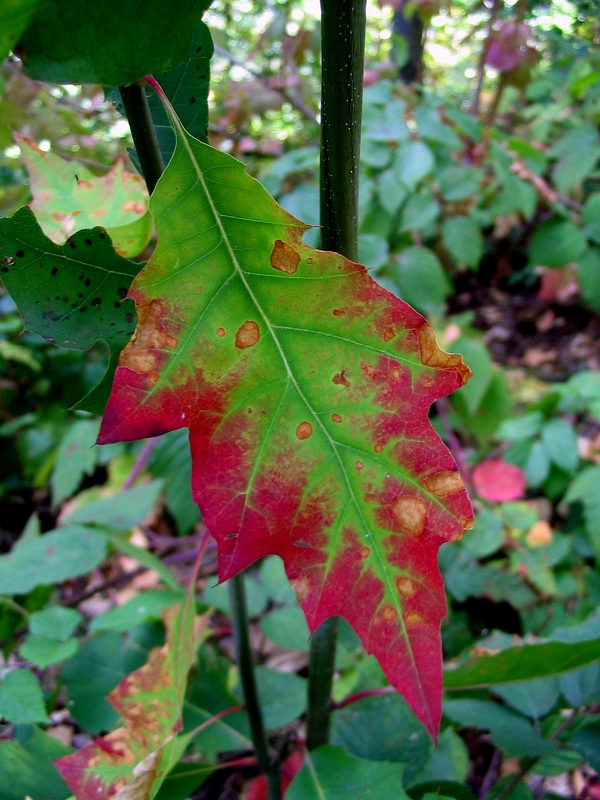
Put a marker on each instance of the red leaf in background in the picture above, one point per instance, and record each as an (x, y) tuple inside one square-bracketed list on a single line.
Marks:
[(257, 788), (498, 481)]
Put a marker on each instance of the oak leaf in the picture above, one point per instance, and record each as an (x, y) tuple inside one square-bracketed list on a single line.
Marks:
[(305, 387)]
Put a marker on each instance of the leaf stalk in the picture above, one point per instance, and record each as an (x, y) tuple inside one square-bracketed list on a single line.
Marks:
[(143, 132)]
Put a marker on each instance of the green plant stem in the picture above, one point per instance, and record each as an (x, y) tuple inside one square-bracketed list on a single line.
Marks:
[(342, 55), (239, 619), (143, 132)]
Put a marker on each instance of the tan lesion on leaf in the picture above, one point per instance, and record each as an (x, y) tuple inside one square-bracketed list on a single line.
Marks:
[(388, 613), (413, 619), (301, 587), (388, 334), (432, 356), (304, 430), (340, 379), (443, 483), (406, 587), (247, 335), (284, 258), (140, 354), (410, 513)]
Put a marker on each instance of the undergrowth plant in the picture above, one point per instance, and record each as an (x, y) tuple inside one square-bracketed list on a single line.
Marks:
[(304, 387)]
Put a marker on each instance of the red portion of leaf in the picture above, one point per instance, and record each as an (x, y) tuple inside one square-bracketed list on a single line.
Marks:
[(306, 388), (498, 481), (257, 788)]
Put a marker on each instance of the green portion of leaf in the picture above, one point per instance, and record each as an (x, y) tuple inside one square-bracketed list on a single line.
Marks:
[(112, 43), (560, 441), (144, 606), (591, 217), (464, 240), (28, 770), (21, 698), (282, 696), (120, 511), (486, 537), (15, 16), (556, 243), (45, 650), (510, 731), (383, 728), (329, 773), (71, 294), (55, 621), (581, 686), (68, 197), (587, 742), (586, 489), (449, 761), (52, 558), (534, 698), (412, 162), (460, 182), (477, 356)]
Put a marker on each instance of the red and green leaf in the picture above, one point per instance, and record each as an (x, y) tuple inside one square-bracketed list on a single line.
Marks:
[(306, 388), (132, 761)]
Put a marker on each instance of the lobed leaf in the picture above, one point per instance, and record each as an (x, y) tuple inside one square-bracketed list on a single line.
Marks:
[(132, 761), (68, 197), (306, 389)]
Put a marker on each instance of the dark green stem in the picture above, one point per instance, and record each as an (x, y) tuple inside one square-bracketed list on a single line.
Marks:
[(239, 618), (320, 676), (342, 55), (143, 132)]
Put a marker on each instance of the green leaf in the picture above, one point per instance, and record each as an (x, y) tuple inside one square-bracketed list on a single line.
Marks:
[(521, 428), (465, 123), (460, 182), (391, 192), (282, 696), (586, 488), (144, 606), (590, 217), (122, 544), (21, 698), (45, 650), (560, 441), (587, 742), (448, 762), (463, 240), (581, 686), (422, 281), (76, 457), (382, 728), (509, 731), (413, 161), (68, 197), (15, 16), (556, 243), (138, 755), (55, 621), (331, 774), (373, 251), (535, 698), (112, 43), (171, 461), (52, 558), (94, 671), (574, 166), (486, 537), (420, 212), (120, 511), (588, 267), (526, 661), (475, 354), (305, 397), (286, 627), (71, 294), (28, 770)]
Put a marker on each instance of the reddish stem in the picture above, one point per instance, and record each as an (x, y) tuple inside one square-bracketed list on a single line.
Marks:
[(139, 465), (354, 698)]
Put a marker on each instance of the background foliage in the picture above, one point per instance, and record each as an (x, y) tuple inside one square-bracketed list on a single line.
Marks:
[(480, 205)]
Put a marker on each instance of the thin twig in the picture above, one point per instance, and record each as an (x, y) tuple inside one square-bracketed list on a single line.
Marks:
[(139, 465)]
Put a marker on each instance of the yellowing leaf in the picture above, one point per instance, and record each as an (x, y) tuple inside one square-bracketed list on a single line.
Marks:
[(68, 197)]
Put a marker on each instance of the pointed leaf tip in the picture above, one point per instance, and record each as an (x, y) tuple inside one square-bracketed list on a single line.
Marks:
[(306, 388)]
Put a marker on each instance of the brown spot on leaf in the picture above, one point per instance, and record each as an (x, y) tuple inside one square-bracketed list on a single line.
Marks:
[(140, 354), (81, 184), (388, 334), (378, 448), (248, 335), (413, 619), (336, 418), (221, 332), (284, 258), (137, 206), (406, 587), (339, 312), (410, 513), (340, 379), (432, 356), (396, 373), (365, 552), (388, 613), (310, 260), (359, 465), (443, 483), (304, 430), (301, 587)]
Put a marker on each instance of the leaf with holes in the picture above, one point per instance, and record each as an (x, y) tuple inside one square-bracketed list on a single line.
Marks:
[(68, 197), (306, 389), (71, 294), (132, 761)]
